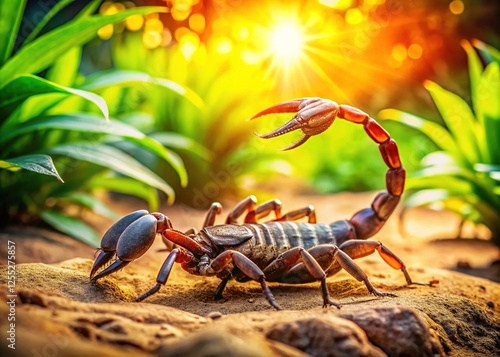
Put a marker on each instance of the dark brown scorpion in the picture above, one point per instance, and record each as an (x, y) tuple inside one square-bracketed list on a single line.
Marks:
[(280, 250)]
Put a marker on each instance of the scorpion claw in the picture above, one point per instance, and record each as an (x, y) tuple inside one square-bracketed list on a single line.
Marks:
[(101, 260), (117, 265), (314, 115)]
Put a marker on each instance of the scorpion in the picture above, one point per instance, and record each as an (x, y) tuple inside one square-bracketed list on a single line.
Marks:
[(279, 250)]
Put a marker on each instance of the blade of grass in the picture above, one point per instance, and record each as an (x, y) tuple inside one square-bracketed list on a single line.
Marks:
[(12, 14), (53, 44), (438, 134), (26, 86), (127, 186), (459, 119), (91, 123), (90, 202), (116, 160), (125, 78), (52, 12), (72, 227)]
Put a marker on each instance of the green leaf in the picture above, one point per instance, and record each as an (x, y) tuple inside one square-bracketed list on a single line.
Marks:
[(178, 141), (459, 119), (490, 54), (72, 227), (88, 10), (116, 160), (127, 186), (42, 52), (90, 202), (39, 163), (12, 14), (438, 134), (92, 123), (52, 12), (488, 110), (29, 85), (65, 69), (123, 78)]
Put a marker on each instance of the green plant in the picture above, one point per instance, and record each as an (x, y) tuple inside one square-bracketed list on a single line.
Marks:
[(464, 174), (48, 124)]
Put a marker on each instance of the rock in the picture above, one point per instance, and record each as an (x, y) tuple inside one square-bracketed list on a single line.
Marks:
[(223, 343), (327, 336), (397, 331)]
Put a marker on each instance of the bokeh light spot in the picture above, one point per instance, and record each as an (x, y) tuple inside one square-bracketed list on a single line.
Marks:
[(151, 39), (105, 32), (189, 44), (456, 7), (415, 51), (134, 22), (337, 4), (399, 53), (224, 45), (197, 23), (354, 16)]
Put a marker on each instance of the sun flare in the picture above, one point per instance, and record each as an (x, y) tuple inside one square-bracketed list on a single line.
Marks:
[(287, 42)]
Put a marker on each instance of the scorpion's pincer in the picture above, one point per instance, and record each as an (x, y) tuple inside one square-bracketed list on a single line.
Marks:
[(313, 116), (128, 239)]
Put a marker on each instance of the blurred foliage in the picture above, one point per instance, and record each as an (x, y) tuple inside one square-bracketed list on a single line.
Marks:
[(241, 56), (463, 175), (58, 127)]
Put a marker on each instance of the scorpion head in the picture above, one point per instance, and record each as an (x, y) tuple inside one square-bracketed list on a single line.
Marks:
[(314, 115)]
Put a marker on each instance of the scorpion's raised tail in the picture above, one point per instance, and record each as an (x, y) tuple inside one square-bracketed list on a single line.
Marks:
[(315, 115)]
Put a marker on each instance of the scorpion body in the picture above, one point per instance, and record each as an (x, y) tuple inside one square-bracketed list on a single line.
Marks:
[(279, 250)]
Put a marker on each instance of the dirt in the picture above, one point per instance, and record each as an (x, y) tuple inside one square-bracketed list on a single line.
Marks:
[(59, 312)]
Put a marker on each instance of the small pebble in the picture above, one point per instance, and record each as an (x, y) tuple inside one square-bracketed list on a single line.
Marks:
[(482, 288), (463, 264), (214, 315), (251, 300), (490, 304)]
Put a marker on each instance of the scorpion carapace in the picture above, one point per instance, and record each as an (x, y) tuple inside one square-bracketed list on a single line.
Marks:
[(279, 250)]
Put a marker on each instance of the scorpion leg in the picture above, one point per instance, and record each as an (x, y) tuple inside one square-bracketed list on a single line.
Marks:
[(279, 268), (308, 212), (247, 267), (163, 274), (213, 211), (247, 204), (361, 248), (263, 210)]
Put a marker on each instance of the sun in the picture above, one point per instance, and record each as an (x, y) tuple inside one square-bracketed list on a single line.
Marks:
[(287, 42)]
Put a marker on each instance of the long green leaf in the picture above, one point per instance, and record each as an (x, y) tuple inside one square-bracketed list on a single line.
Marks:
[(116, 160), (65, 69), (488, 110), (123, 78), (489, 53), (438, 134), (95, 124), (459, 119), (38, 163), (90, 202), (12, 14), (25, 86), (127, 186), (41, 53), (181, 142), (72, 227), (52, 12)]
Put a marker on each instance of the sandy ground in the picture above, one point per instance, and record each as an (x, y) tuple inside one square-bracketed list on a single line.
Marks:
[(57, 309)]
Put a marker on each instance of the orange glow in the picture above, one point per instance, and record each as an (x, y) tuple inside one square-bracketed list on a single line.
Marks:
[(399, 53), (415, 51), (456, 7), (337, 4), (197, 23), (153, 25)]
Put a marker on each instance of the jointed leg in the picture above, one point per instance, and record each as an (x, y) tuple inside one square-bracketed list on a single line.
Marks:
[(308, 212), (247, 267), (361, 248), (311, 269)]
